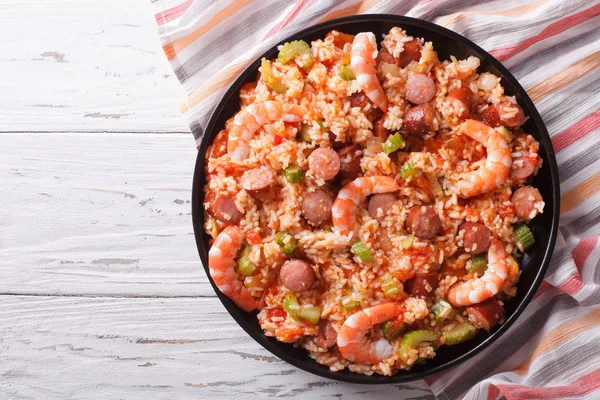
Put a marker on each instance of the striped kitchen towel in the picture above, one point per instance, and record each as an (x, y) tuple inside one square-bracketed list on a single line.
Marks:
[(553, 49)]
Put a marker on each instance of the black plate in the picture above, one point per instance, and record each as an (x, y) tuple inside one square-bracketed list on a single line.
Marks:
[(544, 226)]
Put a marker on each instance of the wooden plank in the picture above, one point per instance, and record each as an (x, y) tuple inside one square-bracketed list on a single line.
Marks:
[(108, 348), (98, 214), (79, 65)]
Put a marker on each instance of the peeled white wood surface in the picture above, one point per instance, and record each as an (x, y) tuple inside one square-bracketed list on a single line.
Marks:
[(98, 214), (121, 348), (83, 65)]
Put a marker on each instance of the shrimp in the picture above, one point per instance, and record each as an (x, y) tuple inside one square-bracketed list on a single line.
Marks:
[(344, 208), (475, 291), (221, 265), (494, 172), (250, 119), (352, 338), (363, 54)]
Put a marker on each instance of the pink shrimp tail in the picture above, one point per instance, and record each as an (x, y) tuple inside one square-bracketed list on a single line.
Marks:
[(475, 291), (363, 54), (494, 172), (344, 208), (247, 121), (352, 338), (221, 264)]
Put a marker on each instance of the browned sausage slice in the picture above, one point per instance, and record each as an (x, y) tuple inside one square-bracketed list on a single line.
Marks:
[(476, 237), (491, 116), (327, 335), (504, 113), (485, 315), (223, 208), (316, 207), (423, 222), (296, 275), (385, 57), (511, 114), (411, 52), (420, 88), (418, 120), (523, 167), (465, 96), (378, 130), (258, 182), (349, 162), (381, 202), (324, 163), (525, 200), (359, 99), (334, 141), (422, 285)]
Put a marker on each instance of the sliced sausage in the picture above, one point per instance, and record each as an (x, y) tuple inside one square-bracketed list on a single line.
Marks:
[(223, 208), (523, 167), (464, 95), (381, 202), (411, 52), (476, 237), (524, 201), (335, 143), (259, 183), (413, 144), (359, 99), (378, 130), (504, 113), (385, 57), (316, 207), (418, 120), (511, 114), (349, 162), (324, 163), (490, 115), (420, 88), (422, 285), (296, 275), (327, 335), (485, 315), (423, 222)]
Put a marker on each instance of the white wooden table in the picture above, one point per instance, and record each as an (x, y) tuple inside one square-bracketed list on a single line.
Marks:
[(102, 295)]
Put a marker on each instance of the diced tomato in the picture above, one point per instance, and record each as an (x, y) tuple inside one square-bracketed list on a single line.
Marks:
[(456, 144), (276, 312), (504, 211), (277, 139), (423, 183), (476, 156), (253, 237), (433, 145), (419, 254), (346, 58), (289, 334), (445, 230), (341, 39), (534, 158)]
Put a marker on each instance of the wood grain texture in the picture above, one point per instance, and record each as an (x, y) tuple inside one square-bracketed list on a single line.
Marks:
[(81, 65), (107, 348), (98, 214)]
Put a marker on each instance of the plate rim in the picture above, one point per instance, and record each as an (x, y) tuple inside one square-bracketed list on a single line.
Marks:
[(403, 376)]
